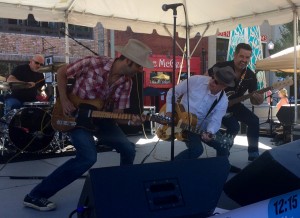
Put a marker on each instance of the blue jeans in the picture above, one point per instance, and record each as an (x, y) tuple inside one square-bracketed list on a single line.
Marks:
[(244, 115), (12, 103), (195, 148), (86, 156)]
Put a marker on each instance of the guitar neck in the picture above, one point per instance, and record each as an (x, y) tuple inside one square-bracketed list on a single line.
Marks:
[(110, 115), (244, 97), (190, 128)]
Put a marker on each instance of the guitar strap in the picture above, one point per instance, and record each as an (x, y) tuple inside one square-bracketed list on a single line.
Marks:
[(241, 80), (214, 104)]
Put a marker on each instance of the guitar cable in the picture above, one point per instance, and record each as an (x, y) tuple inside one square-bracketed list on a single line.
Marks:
[(148, 155)]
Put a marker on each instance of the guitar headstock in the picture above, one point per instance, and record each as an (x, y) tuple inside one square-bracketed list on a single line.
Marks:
[(282, 84)]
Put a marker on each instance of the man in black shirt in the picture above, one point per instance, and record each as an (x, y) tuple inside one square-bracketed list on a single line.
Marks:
[(245, 81), (26, 83)]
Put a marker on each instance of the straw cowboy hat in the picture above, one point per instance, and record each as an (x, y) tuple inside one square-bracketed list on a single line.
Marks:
[(224, 75), (136, 51)]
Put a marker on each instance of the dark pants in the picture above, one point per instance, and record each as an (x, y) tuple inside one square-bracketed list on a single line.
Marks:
[(244, 115)]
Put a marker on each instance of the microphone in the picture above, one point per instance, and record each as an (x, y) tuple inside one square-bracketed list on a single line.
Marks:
[(166, 7)]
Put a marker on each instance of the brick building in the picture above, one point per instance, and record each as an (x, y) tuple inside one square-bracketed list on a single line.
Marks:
[(21, 39)]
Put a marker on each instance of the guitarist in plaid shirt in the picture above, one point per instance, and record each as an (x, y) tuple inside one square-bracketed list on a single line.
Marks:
[(109, 81)]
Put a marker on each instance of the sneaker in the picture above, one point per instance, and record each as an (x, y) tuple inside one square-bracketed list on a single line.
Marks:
[(41, 204), (252, 156)]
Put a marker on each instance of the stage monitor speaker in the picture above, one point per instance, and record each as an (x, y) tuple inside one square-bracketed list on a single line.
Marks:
[(187, 188), (286, 114), (275, 172)]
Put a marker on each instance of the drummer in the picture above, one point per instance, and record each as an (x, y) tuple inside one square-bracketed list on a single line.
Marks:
[(26, 83)]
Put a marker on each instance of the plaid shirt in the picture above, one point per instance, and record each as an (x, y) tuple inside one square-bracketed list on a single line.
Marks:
[(91, 81)]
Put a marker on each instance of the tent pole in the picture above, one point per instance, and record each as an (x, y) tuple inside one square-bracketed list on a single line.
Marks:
[(67, 48), (295, 63), (173, 87)]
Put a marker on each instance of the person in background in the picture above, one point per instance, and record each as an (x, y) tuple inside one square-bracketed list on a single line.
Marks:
[(208, 102), (97, 79), (279, 129), (245, 80), (26, 84), (283, 98)]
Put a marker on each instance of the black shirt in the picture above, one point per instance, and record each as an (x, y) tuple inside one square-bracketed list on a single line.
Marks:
[(242, 85), (24, 73)]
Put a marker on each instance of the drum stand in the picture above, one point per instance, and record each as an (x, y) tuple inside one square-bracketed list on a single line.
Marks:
[(59, 141), (54, 84)]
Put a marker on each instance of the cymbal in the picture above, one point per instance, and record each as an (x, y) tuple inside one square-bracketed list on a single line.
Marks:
[(50, 68), (2, 78), (4, 86), (18, 85)]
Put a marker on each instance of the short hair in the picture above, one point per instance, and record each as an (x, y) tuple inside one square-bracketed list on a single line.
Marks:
[(242, 46)]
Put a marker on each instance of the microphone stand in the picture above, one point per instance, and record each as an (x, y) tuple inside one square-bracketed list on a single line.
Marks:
[(173, 87), (270, 113)]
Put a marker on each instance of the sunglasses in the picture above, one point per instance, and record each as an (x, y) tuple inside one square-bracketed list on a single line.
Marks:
[(38, 63), (215, 81)]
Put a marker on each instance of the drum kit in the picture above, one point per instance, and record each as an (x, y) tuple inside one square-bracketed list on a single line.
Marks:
[(29, 129)]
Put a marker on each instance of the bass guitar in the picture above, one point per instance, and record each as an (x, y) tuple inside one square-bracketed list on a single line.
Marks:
[(86, 110), (278, 85)]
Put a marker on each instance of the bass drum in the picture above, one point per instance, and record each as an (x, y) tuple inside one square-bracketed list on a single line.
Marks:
[(30, 129)]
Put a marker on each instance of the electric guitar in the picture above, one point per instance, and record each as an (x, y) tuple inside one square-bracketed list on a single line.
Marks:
[(161, 130), (217, 140), (278, 85), (85, 112), (182, 120)]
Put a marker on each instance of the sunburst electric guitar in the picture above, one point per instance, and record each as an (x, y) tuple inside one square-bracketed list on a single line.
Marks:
[(86, 111), (182, 120)]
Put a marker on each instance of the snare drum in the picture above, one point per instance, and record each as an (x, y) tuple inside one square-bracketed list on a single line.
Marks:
[(41, 104)]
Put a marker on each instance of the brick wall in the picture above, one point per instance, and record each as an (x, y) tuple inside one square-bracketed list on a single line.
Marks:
[(17, 48), (20, 47)]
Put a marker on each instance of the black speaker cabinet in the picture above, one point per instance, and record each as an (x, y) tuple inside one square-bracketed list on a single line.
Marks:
[(275, 172), (286, 114), (187, 188)]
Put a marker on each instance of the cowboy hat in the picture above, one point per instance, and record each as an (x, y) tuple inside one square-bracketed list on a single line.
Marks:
[(136, 51), (224, 75)]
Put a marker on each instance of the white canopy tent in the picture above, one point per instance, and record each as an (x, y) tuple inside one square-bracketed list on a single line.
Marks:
[(282, 61), (206, 17), (202, 16), (143, 16)]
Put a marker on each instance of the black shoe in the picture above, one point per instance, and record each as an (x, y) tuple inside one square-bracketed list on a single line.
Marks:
[(41, 204), (253, 156), (234, 169)]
